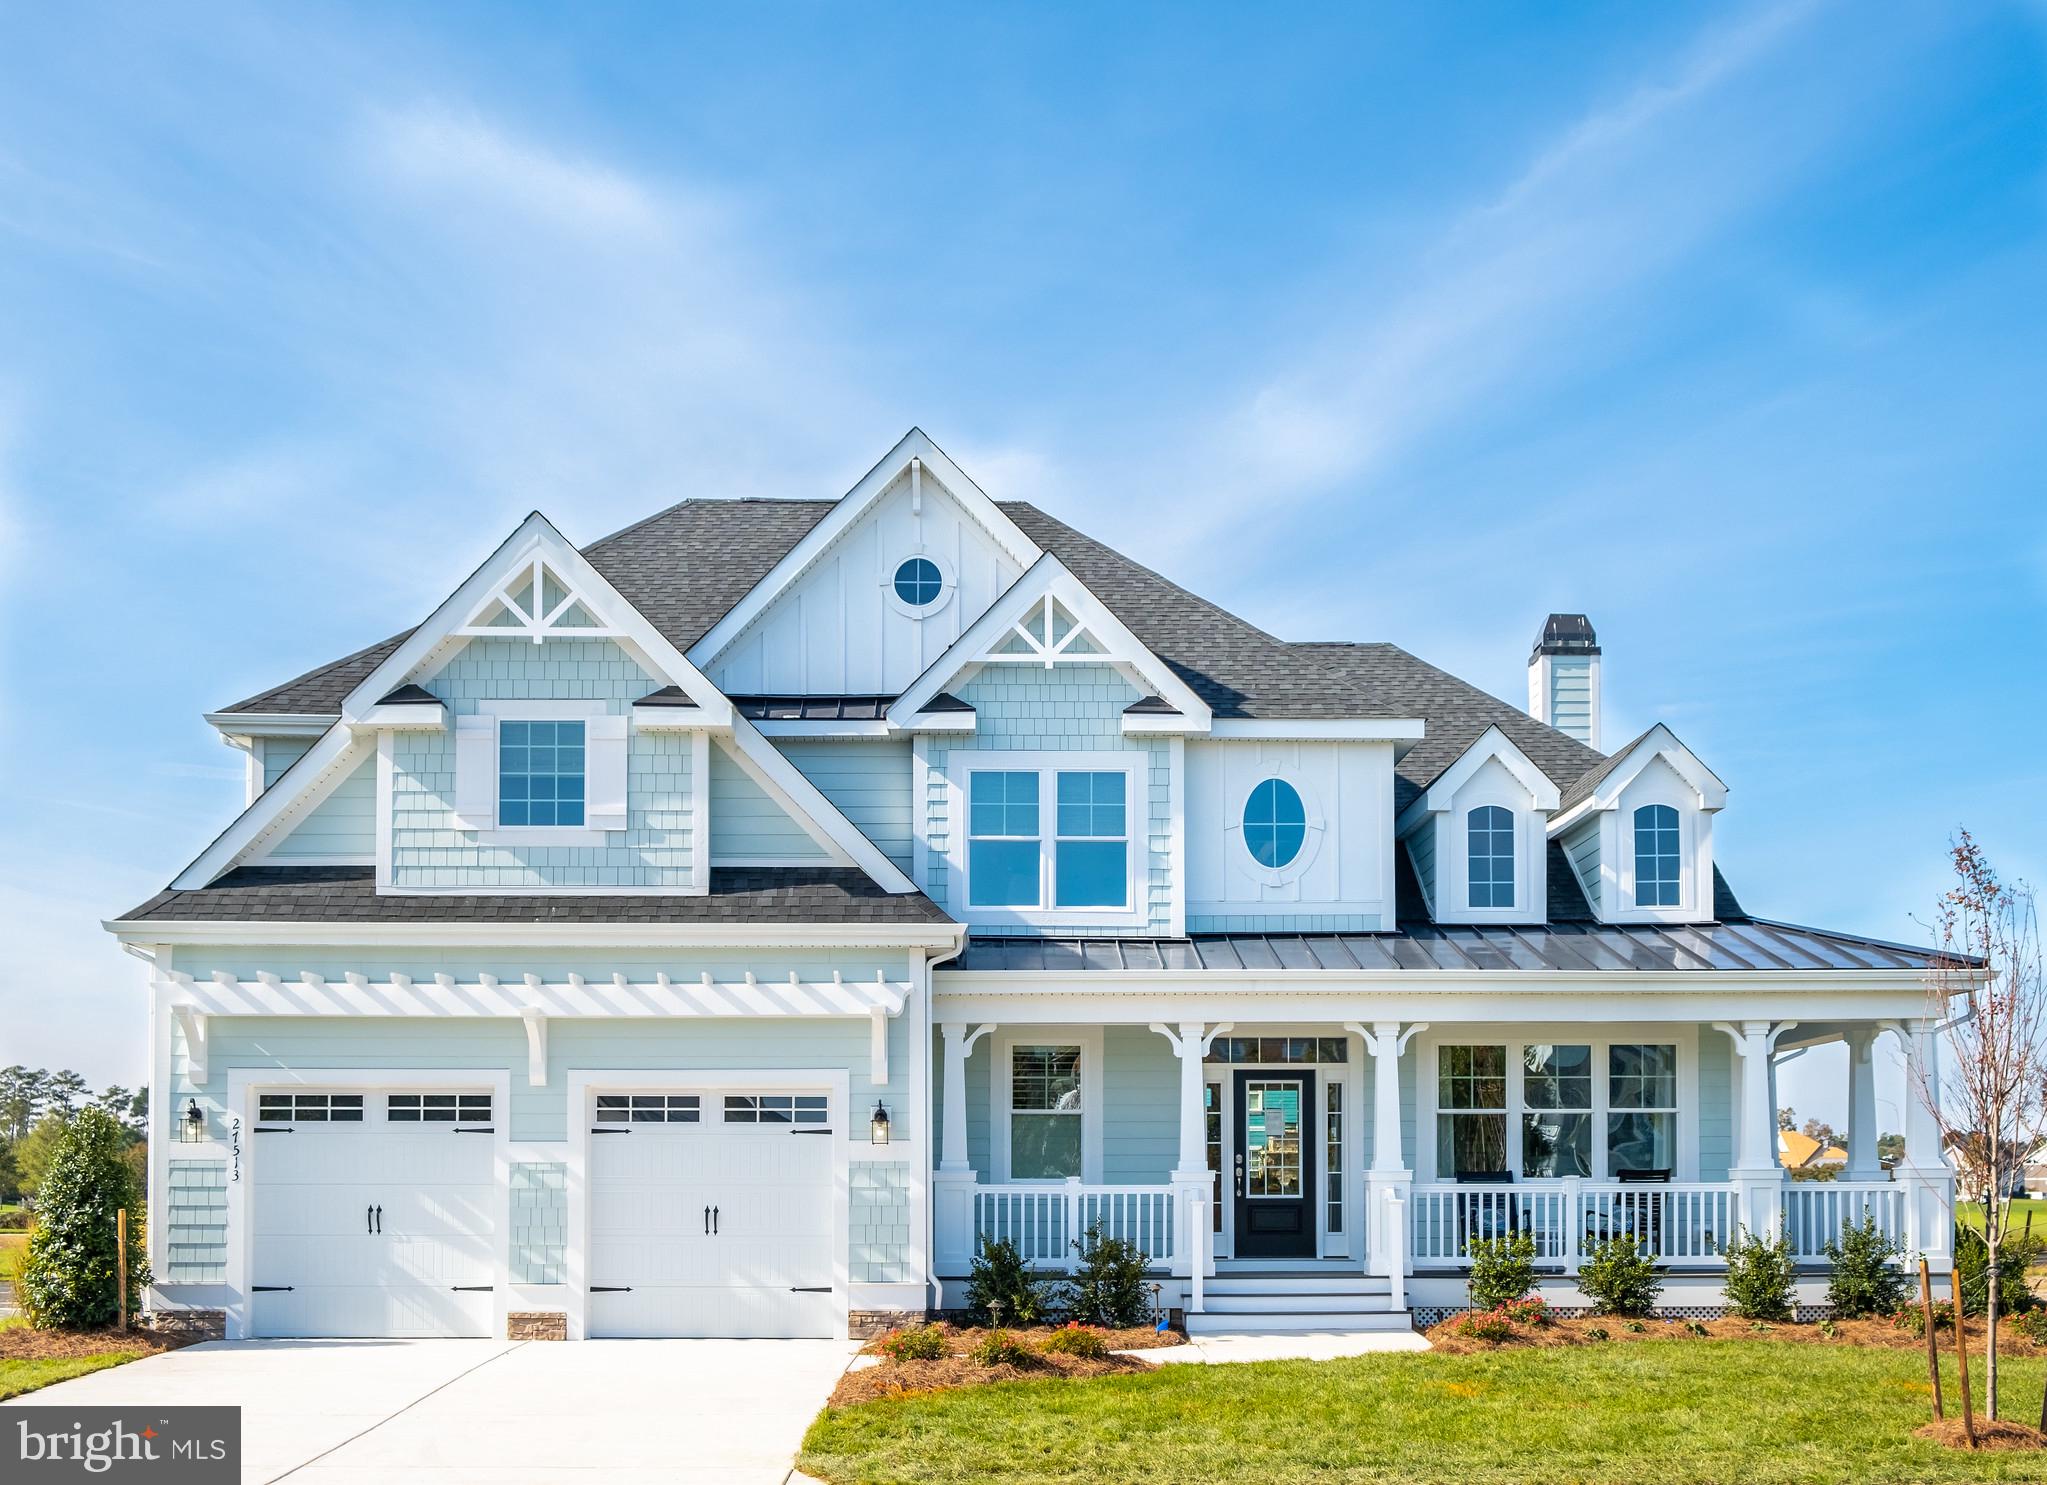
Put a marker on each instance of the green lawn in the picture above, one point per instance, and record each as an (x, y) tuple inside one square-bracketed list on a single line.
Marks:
[(1970, 1214), (1667, 1411), (17, 1377)]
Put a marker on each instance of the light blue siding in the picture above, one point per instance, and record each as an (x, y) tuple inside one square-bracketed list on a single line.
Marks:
[(1140, 1111), (343, 825), (654, 850), (1716, 1104), (279, 753), (540, 1221), (196, 1226), (1570, 692), (869, 781), (1581, 847), (878, 1225), (1421, 848), (1075, 708), (748, 826)]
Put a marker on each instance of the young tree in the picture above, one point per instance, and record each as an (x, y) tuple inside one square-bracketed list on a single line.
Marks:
[(1987, 994), (70, 1276), (38, 1149)]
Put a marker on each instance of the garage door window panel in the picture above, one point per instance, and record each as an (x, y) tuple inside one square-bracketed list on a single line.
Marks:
[(309, 1108), (775, 1108)]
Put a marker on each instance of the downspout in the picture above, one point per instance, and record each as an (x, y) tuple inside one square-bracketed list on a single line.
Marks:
[(934, 1293)]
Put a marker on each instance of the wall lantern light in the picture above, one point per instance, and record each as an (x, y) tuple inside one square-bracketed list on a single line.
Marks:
[(192, 1128), (877, 1126)]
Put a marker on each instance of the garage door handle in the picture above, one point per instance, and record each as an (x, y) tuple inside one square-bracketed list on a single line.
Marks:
[(707, 1221), (369, 1220), (380, 1221), (714, 1221)]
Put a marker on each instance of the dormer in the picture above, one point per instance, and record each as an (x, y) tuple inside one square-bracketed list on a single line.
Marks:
[(1638, 832), (1477, 838)]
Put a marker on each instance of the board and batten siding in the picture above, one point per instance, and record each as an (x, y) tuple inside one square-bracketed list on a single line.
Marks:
[(343, 826), (835, 630), (747, 827), (1340, 881), (869, 781)]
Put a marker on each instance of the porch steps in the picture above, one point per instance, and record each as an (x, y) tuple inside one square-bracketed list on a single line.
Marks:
[(1251, 1301)]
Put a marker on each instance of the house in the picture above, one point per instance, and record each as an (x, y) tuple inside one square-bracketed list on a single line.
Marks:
[(1799, 1151), (724, 927)]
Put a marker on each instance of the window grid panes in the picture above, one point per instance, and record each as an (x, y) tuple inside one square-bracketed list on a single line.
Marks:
[(1492, 857), (1332, 1127), (1002, 839), (648, 1108), (437, 1108), (1275, 823), (1045, 1112), (1658, 871), (1556, 1118), (540, 773), (1272, 1139), (1641, 1097), (1092, 854), (1278, 1049), (1471, 1122), (919, 582), (309, 1108), (774, 1108), (1212, 1117)]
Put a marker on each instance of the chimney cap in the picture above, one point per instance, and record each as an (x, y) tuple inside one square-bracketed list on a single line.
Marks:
[(1566, 634)]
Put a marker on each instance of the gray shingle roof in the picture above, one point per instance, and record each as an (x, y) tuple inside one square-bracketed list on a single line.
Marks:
[(1575, 948), (347, 894)]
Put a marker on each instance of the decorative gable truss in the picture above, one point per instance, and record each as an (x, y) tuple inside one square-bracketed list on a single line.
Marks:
[(537, 585), (1047, 619)]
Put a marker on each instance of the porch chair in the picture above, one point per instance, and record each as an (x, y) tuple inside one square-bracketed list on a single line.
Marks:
[(1478, 1218), (1639, 1217)]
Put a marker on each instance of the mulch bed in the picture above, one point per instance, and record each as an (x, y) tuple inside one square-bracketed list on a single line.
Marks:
[(958, 1369), (1443, 1335), (2002, 1434), (21, 1343)]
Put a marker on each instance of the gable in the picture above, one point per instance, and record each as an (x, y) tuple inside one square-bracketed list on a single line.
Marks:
[(840, 628), (749, 827), (340, 828)]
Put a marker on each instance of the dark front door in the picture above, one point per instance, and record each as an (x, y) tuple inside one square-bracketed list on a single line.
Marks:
[(1275, 1165)]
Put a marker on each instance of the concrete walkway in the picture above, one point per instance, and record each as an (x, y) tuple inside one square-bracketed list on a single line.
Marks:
[(494, 1412), (1285, 1345)]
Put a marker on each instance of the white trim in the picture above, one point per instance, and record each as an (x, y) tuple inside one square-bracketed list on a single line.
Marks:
[(585, 1083), (412, 716), (796, 727), (1047, 766), (948, 579), (344, 751), (1043, 584), (700, 812), (456, 933), (1247, 866), (916, 446), (271, 724), (1658, 742), (1310, 729), (1089, 1040), (1441, 794), (244, 1083)]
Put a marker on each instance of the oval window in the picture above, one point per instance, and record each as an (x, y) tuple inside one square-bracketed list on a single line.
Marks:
[(1275, 823), (919, 582)]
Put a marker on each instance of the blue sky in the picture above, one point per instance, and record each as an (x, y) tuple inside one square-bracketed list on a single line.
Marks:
[(1724, 325)]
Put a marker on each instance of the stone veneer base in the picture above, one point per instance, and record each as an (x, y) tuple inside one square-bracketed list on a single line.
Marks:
[(536, 1325)]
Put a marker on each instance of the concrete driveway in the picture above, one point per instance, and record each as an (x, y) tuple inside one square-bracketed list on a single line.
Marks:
[(329, 1412)]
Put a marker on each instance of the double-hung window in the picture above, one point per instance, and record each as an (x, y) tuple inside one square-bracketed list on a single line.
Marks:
[(1050, 839), (1556, 1118), (1547, 1110), (1044, 1112), (1471, 1100), (1641, 1125)]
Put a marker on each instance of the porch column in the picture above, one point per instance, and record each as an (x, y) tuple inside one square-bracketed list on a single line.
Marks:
[(1192, 1182), (1928, 1179), (1863, 1162), (952, 1184), (1388, 1180), (1758, 1176)]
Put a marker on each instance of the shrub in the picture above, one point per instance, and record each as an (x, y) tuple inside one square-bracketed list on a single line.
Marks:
[(1972, 1268), (1759, 1278), (1634, 1327), (1502, 1269), (1912, 1318), (1829, 1329), (999, 1348), (1696, 1327), (1866, 1279), (1485, 1325), (2032, 1324), (1109, 1288), (1075, 1339), (1532, 1312), (15, 1219), (69, 1276), (1620, 1278), (1001, 1286), (1596, 1333), (913, 1343)]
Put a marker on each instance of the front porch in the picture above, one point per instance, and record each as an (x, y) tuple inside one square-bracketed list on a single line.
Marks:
[(1382, 1149)]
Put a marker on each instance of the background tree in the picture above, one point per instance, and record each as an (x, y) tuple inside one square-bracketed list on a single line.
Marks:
[(69, 1277), (1787, 1118), (38, 1149), (10, 1172), (66, 1091), (21, 1100), (1822, 1131), (1986, 992), (1890, 1148)]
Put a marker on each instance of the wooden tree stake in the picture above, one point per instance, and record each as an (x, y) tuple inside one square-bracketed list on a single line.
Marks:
[(121, 1260), (1954, 1281), (1932, 1337)]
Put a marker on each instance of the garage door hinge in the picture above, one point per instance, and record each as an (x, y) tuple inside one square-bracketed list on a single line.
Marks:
[(611, 1289), (810, 1131), (611, 1131), (477, 1129), (810, 1289), (271, 1288), (472, 1288), (273, 1129)]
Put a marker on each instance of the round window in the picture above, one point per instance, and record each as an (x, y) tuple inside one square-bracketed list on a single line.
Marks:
[(919, 583), (1275, 823)]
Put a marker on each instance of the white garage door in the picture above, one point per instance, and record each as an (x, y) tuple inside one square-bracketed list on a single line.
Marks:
[(712, 1215), (372, 1214)]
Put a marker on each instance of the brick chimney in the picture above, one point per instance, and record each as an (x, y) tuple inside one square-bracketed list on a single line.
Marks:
[(1563, 677)]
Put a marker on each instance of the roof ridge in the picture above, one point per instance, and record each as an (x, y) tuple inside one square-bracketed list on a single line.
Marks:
[(668, 510)]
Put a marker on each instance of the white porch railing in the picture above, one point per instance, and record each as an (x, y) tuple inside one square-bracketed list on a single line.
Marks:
[(1045, 1221), (1678, 1223), (1815, 1210)]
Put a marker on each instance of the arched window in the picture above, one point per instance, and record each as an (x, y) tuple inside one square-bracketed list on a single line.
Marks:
[(919, 583), (1492, 857), (1657, 865), (1275, 823)]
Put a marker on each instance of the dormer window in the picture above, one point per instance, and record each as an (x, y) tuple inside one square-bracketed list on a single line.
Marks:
[(1658, 866), (1491, 836)]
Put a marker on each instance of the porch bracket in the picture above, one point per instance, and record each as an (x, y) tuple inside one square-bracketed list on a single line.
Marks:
[(536, 1045), (193, 1023), (877, 1046)]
